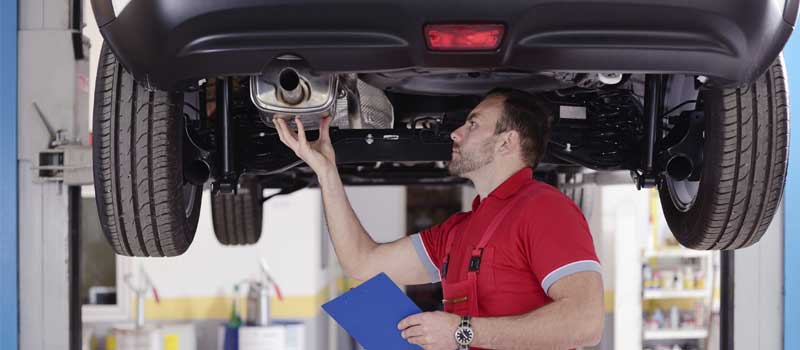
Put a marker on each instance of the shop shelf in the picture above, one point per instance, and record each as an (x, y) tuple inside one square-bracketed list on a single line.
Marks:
[(676, 253), (676, 294), (675, 334)]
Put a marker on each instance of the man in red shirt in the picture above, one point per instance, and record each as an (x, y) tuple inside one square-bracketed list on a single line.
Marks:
[(519, 271)]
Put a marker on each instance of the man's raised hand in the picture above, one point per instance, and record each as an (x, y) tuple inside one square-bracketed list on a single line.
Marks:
[(319, 154)]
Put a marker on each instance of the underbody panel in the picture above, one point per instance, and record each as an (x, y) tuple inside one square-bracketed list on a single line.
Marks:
[(167, 42)]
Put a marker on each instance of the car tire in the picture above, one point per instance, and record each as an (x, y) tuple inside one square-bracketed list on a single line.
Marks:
[(745, 158), (146, 207), (237, 218)]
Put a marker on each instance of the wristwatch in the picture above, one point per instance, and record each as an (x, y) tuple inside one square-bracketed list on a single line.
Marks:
[(464, 333)]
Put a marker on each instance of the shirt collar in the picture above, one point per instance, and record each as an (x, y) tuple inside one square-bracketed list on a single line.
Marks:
[(509, 187)]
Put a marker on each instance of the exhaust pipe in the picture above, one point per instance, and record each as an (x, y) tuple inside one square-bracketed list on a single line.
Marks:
[(290, 88), (680, 167)]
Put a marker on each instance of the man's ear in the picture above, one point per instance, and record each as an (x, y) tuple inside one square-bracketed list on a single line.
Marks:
[(509, 141)]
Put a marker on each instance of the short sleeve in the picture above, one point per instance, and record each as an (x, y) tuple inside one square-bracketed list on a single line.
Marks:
[(431, 243), (557, 240)]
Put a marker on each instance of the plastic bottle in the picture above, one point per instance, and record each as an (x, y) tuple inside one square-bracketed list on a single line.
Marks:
[(235, 321), (674, 317), (678, 280), (647, 277), (699, 314), (689, 278), (658, 317), (700, 280), (655, 283)]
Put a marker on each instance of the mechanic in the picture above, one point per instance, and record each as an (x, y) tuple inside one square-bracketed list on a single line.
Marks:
[(518, 272)]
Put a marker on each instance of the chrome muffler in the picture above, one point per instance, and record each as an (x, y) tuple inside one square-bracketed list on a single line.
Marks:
[(288, 88)]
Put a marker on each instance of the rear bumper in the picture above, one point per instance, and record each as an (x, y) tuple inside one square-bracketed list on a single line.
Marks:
[(166, 42)]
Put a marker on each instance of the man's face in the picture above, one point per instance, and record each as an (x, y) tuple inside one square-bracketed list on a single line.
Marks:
[(473, 142)]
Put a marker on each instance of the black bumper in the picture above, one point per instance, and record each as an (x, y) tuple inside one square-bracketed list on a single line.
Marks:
[(166, 42)]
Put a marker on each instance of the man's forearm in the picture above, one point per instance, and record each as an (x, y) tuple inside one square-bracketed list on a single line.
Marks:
[(352, 243), (558, 325)]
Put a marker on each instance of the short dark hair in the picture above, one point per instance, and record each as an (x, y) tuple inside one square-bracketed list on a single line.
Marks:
[(531, 116)]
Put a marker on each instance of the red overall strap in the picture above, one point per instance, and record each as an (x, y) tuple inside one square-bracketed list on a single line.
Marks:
[(487, 235), (496, 222), (477, 253)]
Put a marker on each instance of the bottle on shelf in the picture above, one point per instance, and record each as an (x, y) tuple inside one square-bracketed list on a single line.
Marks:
[(678, 285), (689, 278), (700, 280), (674, 317)]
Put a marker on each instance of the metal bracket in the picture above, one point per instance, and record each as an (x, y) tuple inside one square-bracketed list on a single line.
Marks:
[(66, 161), (70, 164)]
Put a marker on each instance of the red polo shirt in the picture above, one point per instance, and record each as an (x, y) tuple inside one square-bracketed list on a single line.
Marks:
[(544, 239)]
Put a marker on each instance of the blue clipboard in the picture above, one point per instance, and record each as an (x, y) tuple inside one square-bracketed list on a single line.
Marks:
[(371, 312)]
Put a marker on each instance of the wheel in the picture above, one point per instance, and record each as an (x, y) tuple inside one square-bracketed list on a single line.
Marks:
[(745, 155), (237, 217), (146, 207)]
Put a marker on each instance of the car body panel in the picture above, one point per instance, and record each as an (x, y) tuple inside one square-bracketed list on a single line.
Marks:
[(166, 42)]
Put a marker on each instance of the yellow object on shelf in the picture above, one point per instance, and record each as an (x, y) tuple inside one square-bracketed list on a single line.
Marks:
[(111, 343), (171, 342)]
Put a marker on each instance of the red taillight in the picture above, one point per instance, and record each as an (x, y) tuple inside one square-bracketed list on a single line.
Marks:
[(464, 37)]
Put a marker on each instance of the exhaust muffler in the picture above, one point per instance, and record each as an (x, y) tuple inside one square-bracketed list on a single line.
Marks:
[(288, 88)]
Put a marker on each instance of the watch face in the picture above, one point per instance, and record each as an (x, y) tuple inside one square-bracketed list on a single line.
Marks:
[(464, 335)]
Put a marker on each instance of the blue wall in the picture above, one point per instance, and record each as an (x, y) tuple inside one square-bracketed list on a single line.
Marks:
[(9, 311), (791, 254)]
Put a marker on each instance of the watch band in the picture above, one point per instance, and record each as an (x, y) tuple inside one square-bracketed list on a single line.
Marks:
[(466, 322)]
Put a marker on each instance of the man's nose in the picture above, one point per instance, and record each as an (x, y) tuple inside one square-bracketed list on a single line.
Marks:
[(455, 135)]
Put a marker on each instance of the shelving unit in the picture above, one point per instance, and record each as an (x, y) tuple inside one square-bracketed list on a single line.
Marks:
[(676, 253), (675, 294), (676, 334), (675, 281)]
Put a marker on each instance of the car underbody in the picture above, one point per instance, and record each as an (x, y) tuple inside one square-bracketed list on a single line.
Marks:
[(689, 98), (600, 127)]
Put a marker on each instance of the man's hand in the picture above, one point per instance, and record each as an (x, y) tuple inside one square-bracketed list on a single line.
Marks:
[(431, 330), (319, 154)]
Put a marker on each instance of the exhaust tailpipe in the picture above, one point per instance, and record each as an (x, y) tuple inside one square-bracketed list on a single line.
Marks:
[(290, 88)]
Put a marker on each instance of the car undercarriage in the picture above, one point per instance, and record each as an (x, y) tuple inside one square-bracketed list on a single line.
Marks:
[(689, 98), (600, 127)]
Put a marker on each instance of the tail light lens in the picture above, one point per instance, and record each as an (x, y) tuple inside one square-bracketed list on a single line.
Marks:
[(464, 37)]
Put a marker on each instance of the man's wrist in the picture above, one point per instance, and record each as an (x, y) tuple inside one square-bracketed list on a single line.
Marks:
[(464, 334), (328, 176), (479, 340)]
